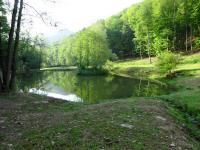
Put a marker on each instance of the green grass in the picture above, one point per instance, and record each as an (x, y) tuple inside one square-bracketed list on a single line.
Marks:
[(181, 105), (187, 82), (192, 59), (187, 101), (182, 118), (29, 123), (143, 69)]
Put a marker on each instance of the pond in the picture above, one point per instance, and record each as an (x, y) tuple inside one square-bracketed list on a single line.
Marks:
[(68, 86)]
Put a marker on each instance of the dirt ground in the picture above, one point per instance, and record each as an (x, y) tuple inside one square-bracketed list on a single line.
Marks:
[(29, 122)]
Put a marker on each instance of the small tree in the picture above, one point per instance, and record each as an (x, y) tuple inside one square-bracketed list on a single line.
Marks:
[(167, 62)]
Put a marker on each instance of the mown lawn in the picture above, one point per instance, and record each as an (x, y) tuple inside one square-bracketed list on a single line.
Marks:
[(32, 122)]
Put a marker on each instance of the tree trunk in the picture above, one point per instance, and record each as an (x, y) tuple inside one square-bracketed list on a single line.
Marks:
[(186, 28), (186, 39), (174, 38), (2, 62), (139, 89), (149, 50), (191, 34), (10, 46), (16, 45), (191, 31), (1, 82), (141, 57)]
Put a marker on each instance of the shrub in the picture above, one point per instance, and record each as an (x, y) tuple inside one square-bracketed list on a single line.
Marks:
[(108, 66), (167, 62), (197, 43), (114, 57)]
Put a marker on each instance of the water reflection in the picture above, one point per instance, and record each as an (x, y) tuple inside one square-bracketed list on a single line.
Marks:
[(68, 97), (92, 89)]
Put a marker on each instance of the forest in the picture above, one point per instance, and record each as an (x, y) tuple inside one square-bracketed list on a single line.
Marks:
[(129, 81), (144, 30)]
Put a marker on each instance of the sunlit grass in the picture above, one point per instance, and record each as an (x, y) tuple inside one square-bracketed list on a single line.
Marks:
[(144, 69)]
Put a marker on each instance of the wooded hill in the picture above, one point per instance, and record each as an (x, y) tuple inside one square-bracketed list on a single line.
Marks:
[(145, 29)]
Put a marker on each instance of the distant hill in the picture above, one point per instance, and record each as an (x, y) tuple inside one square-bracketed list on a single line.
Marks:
[(59, 36)]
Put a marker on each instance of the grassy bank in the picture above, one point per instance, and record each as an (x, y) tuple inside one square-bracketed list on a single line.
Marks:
[(91, 72), (187, 81), (144, 69), (32, 122)]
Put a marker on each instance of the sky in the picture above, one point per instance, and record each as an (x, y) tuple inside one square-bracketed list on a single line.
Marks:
[(73, 15)]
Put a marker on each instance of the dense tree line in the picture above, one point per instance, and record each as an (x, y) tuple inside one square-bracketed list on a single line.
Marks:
[(88, 48), (120, 36), (31, 53), (145, 29), (161, 25)]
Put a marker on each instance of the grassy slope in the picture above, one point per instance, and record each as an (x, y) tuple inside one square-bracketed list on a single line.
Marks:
[(187, 98), (30, 122)]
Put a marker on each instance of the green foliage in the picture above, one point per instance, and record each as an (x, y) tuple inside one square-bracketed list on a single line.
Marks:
[(167, 62), (4, 29), (114, 57), (197, 43), (119, 35), (145, 29), (91, 48), (31, 54), (87, 49), (159, 45), (109, 66), (166, 21)]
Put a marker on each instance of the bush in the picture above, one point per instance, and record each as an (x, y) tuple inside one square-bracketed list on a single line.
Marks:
[(114, 57), (167, 62), (108, 66), (197, 43)]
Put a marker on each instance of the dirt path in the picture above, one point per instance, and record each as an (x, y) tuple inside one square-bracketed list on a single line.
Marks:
[(34, 123)]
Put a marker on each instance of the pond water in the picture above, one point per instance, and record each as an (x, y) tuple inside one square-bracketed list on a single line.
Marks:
[(68, 86)]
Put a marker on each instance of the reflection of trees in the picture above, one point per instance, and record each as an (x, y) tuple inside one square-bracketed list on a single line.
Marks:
[(93, 88), (147, 88), (30, 80), (138, 90)]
